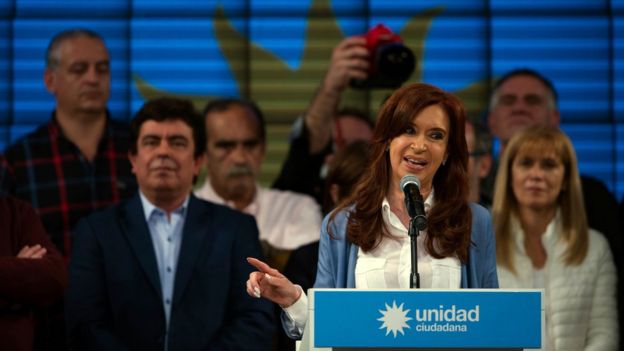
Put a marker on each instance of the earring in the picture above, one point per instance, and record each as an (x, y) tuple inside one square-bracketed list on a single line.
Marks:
[(444, 162)]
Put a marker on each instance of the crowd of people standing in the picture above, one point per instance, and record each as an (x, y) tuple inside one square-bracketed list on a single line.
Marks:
[(108, 239)]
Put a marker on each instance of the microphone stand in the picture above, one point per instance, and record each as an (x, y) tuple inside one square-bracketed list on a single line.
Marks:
[(413, 233)]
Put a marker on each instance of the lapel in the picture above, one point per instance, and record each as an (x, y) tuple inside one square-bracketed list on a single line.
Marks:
[(196, 228), (137, 233)]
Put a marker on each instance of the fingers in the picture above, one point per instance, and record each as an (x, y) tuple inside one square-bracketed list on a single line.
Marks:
[(277, 282), (39, 253), (255, 278), (24, 251), (35, 251), (353, 48), (352, 53), (350, 60), (256, 263), (276, 289), (263, 267), (253, 291), (355, 58), (270, 284), (259, 282), (357, 73), (350, 42), (289, 293)]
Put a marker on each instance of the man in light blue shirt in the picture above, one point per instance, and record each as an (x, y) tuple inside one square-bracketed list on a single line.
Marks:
[(165, 270), (166, 232)]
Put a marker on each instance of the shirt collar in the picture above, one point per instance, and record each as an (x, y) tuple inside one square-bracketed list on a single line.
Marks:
[(207, 192), (57, 132), (149, 208)]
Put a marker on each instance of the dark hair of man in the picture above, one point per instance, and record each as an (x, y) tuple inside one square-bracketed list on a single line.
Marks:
[(52, 61), (169, 109), (531, 73), (450, 218), (355, 113), (220, 105)]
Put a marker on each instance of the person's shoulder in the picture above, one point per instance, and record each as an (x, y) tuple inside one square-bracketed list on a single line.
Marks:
[(118, 124), (335, 222), (479, 212), (13, 208), (118, 128), (481, 222), (105, 215), (596, 189), (209, 208), (36, 136), (597, 240), (288, 198), (592, 182), (222, 220)]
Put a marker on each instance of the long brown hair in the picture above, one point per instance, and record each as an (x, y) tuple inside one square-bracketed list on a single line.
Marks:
[(539, 139), (450, 219)]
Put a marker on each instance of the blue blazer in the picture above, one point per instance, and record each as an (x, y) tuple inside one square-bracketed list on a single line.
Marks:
[(337, 256), (114, 300)]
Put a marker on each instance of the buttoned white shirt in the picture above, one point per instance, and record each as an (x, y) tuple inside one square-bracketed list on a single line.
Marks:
[(388, 266), (286, 220)]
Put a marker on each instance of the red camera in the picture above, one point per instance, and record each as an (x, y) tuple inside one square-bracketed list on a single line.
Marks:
[(391, 62)]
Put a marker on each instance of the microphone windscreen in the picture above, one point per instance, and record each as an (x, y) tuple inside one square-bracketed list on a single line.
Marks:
[(409, 178)]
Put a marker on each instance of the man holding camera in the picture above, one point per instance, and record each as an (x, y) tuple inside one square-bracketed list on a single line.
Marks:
[(326, 129), (377, 59)]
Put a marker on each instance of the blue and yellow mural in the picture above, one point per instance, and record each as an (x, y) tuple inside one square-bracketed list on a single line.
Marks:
[(276, 51)]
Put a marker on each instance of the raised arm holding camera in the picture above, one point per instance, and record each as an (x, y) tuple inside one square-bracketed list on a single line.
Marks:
[(375, 59), (349, 61), (324, 128)]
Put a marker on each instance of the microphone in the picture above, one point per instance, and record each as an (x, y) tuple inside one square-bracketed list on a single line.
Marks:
[(413, 200)]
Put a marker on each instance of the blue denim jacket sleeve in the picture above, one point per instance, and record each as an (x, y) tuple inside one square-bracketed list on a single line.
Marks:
[(480, 270)]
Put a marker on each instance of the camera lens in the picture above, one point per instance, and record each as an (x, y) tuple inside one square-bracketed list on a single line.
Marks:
[(395, 62)]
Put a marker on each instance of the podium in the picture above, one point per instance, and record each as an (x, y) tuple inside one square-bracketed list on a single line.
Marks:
[(464, 319)]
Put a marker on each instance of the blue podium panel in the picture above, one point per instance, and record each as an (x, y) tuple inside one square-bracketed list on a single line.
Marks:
[(426, 318)]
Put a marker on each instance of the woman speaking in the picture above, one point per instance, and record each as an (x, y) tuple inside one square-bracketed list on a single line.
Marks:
[(364, 242)]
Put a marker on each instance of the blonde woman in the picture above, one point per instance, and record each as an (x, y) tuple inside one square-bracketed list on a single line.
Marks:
[(542, 241)]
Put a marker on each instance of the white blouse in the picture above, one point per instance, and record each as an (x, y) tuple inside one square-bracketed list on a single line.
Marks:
[(388, 266)]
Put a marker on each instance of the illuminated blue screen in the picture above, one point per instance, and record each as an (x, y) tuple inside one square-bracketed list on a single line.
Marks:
[(263, 50)]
